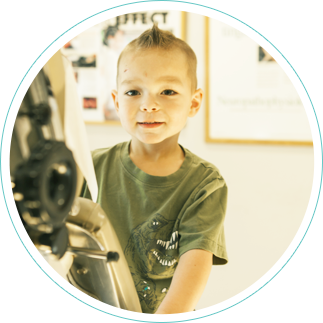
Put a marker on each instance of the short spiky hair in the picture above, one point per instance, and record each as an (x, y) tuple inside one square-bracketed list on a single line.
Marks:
[(165, 40)]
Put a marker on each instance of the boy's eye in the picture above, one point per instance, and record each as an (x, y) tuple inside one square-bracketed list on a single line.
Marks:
[(168, 92), (132, 93)]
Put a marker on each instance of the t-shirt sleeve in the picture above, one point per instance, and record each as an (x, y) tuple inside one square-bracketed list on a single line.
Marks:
[(201, 226)]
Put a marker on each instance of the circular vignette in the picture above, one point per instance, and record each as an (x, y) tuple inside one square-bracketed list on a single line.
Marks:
[(311, 220), (312, 217), (18, 87)]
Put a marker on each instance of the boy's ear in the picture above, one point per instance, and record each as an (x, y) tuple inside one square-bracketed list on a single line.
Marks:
[(196, 102), (114, 94)]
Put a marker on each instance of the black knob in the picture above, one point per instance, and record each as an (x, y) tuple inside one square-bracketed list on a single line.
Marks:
[(57, 241), (112, 256)]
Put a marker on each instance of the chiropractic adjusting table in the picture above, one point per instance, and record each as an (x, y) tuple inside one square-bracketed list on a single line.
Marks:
[(73, 234)]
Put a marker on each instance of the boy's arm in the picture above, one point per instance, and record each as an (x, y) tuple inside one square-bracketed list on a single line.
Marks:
[(188, 283)]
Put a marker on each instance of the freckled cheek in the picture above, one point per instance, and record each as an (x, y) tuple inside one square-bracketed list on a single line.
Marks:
[(128, 112), (176, 110), (170, 104)]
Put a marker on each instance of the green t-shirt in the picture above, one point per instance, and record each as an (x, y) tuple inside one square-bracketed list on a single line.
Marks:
[(159, 218)]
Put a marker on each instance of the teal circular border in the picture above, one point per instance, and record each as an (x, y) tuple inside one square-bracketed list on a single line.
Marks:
[(312, 217)]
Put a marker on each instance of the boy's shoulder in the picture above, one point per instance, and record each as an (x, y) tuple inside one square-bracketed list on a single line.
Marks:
[(101, 154), (202, 165)]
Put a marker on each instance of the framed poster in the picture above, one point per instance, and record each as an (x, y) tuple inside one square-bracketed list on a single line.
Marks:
[(249, 98), (95, 52)]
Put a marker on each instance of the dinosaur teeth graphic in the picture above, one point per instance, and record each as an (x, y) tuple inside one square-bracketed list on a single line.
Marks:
[(171, 244), (163, 261)]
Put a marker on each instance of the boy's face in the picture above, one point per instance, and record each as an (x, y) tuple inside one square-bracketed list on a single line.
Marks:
[(155, 96)]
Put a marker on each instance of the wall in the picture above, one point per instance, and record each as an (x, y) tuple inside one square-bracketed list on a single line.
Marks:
[(269, 188)]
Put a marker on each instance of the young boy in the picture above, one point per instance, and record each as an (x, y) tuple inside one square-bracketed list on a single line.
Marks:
[(167, 205)]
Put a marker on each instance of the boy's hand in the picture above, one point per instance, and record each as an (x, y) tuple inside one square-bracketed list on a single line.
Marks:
[(188, 283)]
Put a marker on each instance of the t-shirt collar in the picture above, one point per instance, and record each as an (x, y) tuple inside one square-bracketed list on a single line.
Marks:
[(131, 168)]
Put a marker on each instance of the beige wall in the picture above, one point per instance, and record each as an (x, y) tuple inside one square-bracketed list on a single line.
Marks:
[(269, 188)]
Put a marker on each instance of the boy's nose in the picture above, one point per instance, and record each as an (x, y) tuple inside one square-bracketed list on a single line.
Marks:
[(149, 105)]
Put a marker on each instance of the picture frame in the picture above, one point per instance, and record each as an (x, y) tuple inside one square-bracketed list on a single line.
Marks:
[(260, 106), (94, 55)]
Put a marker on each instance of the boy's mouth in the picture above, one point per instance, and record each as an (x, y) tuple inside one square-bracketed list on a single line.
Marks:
[(153, 124)]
